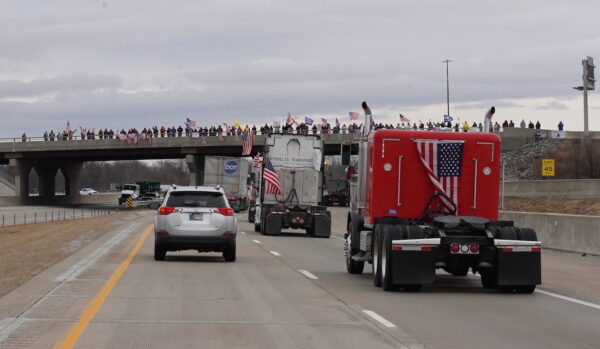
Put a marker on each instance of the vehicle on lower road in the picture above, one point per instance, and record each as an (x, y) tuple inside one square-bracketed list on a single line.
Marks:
[(88, 191), (195, 218)]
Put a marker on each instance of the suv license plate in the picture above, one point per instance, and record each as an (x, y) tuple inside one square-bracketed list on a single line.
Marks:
[(196, 216)]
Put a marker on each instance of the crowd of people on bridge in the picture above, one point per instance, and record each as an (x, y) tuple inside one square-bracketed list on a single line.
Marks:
[(191, 130)]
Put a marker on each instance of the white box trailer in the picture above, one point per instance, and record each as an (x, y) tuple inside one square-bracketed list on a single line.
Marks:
[(230, 173), (298, 162)]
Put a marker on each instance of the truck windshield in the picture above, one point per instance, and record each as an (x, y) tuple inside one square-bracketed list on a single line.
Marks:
[(129, 187), (196, 199)]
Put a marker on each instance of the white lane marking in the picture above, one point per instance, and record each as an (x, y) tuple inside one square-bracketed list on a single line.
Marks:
[(241, 232), (308, 274), (337, 237), (379, 318), (8, 326), (574, 300), (256, 241), (91, 259), (275, 253)]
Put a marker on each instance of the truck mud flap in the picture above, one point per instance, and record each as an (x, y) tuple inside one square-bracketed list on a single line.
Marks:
[(272, 224), (516, 268), (413, 267), (321, 225)]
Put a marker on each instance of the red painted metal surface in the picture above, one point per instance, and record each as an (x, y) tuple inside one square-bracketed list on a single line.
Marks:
[(390, 149)]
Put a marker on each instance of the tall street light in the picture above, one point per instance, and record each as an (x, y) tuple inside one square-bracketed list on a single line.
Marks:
[(447, 87)]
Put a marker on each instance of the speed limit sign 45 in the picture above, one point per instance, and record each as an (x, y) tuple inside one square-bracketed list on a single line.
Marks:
[(547, 167)]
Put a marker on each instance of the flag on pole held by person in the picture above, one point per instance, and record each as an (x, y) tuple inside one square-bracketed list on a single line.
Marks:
[(247, 142), (353, 115), (236, 124), (68, 127), (337, 123), (308, 120), (448, 118), (190, 123), (443, 162), (404, 118), (324, 121), (271, 178)]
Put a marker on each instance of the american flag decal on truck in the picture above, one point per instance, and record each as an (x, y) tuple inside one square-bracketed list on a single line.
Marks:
[(443, 163)]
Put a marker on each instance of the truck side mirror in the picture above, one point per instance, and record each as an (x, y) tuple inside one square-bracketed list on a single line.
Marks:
[(346, 151)]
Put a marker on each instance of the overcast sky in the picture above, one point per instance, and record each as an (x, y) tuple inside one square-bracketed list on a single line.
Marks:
[(126, 64)]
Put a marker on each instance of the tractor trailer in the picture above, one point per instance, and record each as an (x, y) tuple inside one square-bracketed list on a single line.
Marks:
[(298, 162), (428, 200), (232, 175)]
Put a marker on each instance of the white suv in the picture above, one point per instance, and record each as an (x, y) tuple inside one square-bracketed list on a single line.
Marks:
[(195, 218)]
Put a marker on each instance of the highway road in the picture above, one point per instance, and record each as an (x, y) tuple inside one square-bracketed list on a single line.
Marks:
[(288, 291)]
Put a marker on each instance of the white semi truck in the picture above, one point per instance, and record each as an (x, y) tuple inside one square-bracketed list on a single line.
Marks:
[(298, 162), (232, 174)]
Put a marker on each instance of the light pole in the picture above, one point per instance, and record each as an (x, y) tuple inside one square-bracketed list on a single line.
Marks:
[(447, 87)]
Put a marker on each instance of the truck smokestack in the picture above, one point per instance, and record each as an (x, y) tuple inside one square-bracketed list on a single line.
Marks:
[(366, 108), (487, 120)]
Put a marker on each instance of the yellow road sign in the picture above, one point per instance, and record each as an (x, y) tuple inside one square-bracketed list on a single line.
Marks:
[(547, 167)]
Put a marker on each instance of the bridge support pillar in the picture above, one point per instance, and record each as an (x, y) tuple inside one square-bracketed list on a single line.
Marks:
[(46, 171), (72, 172), (20, 169), (195, 164)]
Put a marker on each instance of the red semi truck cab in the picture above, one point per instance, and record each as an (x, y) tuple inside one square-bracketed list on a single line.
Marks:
[(399, 184), (428, 200)]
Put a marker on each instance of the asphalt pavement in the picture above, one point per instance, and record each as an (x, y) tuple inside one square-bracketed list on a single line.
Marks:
[(286, 291)]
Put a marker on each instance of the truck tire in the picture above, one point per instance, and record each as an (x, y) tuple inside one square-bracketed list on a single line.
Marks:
[(527, 234), (506, 233), (257, 227), (378, 233), (159, 252), (229, 253), (352, 266)]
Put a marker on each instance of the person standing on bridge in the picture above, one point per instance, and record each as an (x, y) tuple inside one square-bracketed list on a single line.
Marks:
[(538, 126), (179, 131), (522, 123), (45, 135), (24, 137), (560, 125)]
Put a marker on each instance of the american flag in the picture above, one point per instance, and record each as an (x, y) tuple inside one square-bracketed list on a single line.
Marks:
[(404, 118), (247, 142), (190, 123), (353, 115), (443, 163), (290, 119), (256, 160), (324, 121), (272, 185)]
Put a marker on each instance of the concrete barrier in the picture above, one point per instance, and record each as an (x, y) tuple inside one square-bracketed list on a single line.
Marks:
[(101, 198), (577, 233), (558, 188)]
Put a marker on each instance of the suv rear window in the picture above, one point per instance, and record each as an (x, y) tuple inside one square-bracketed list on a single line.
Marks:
[(196, 199)]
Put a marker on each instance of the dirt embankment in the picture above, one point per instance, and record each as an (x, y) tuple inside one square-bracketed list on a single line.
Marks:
[(29, 249), (548, 205)]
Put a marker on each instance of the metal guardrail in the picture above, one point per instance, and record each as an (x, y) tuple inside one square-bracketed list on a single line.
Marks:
[(29, 217)]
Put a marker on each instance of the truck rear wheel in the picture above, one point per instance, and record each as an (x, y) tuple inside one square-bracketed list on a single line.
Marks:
[(387, 281), (352, 266), (376, 248)]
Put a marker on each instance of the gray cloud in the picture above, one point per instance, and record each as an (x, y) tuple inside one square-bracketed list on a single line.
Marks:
[(76, 83)]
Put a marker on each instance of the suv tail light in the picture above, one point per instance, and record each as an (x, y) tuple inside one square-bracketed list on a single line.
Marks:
[(225, 211), (166, 210)]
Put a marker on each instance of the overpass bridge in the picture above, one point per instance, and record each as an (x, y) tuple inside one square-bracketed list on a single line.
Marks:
[(47, 157)]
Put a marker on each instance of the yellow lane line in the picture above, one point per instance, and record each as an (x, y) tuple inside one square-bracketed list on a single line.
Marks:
[(77, 329)]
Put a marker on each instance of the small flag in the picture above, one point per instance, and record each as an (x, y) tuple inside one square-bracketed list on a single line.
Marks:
[(190, 123), (324, 121), (247, 142), (448, 118), (289, 119), (404, 119), (353, 115), (68, 127), (276, 124), (337, 123), (236, 123), (256, 160), (308, 120), (272, 185)]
